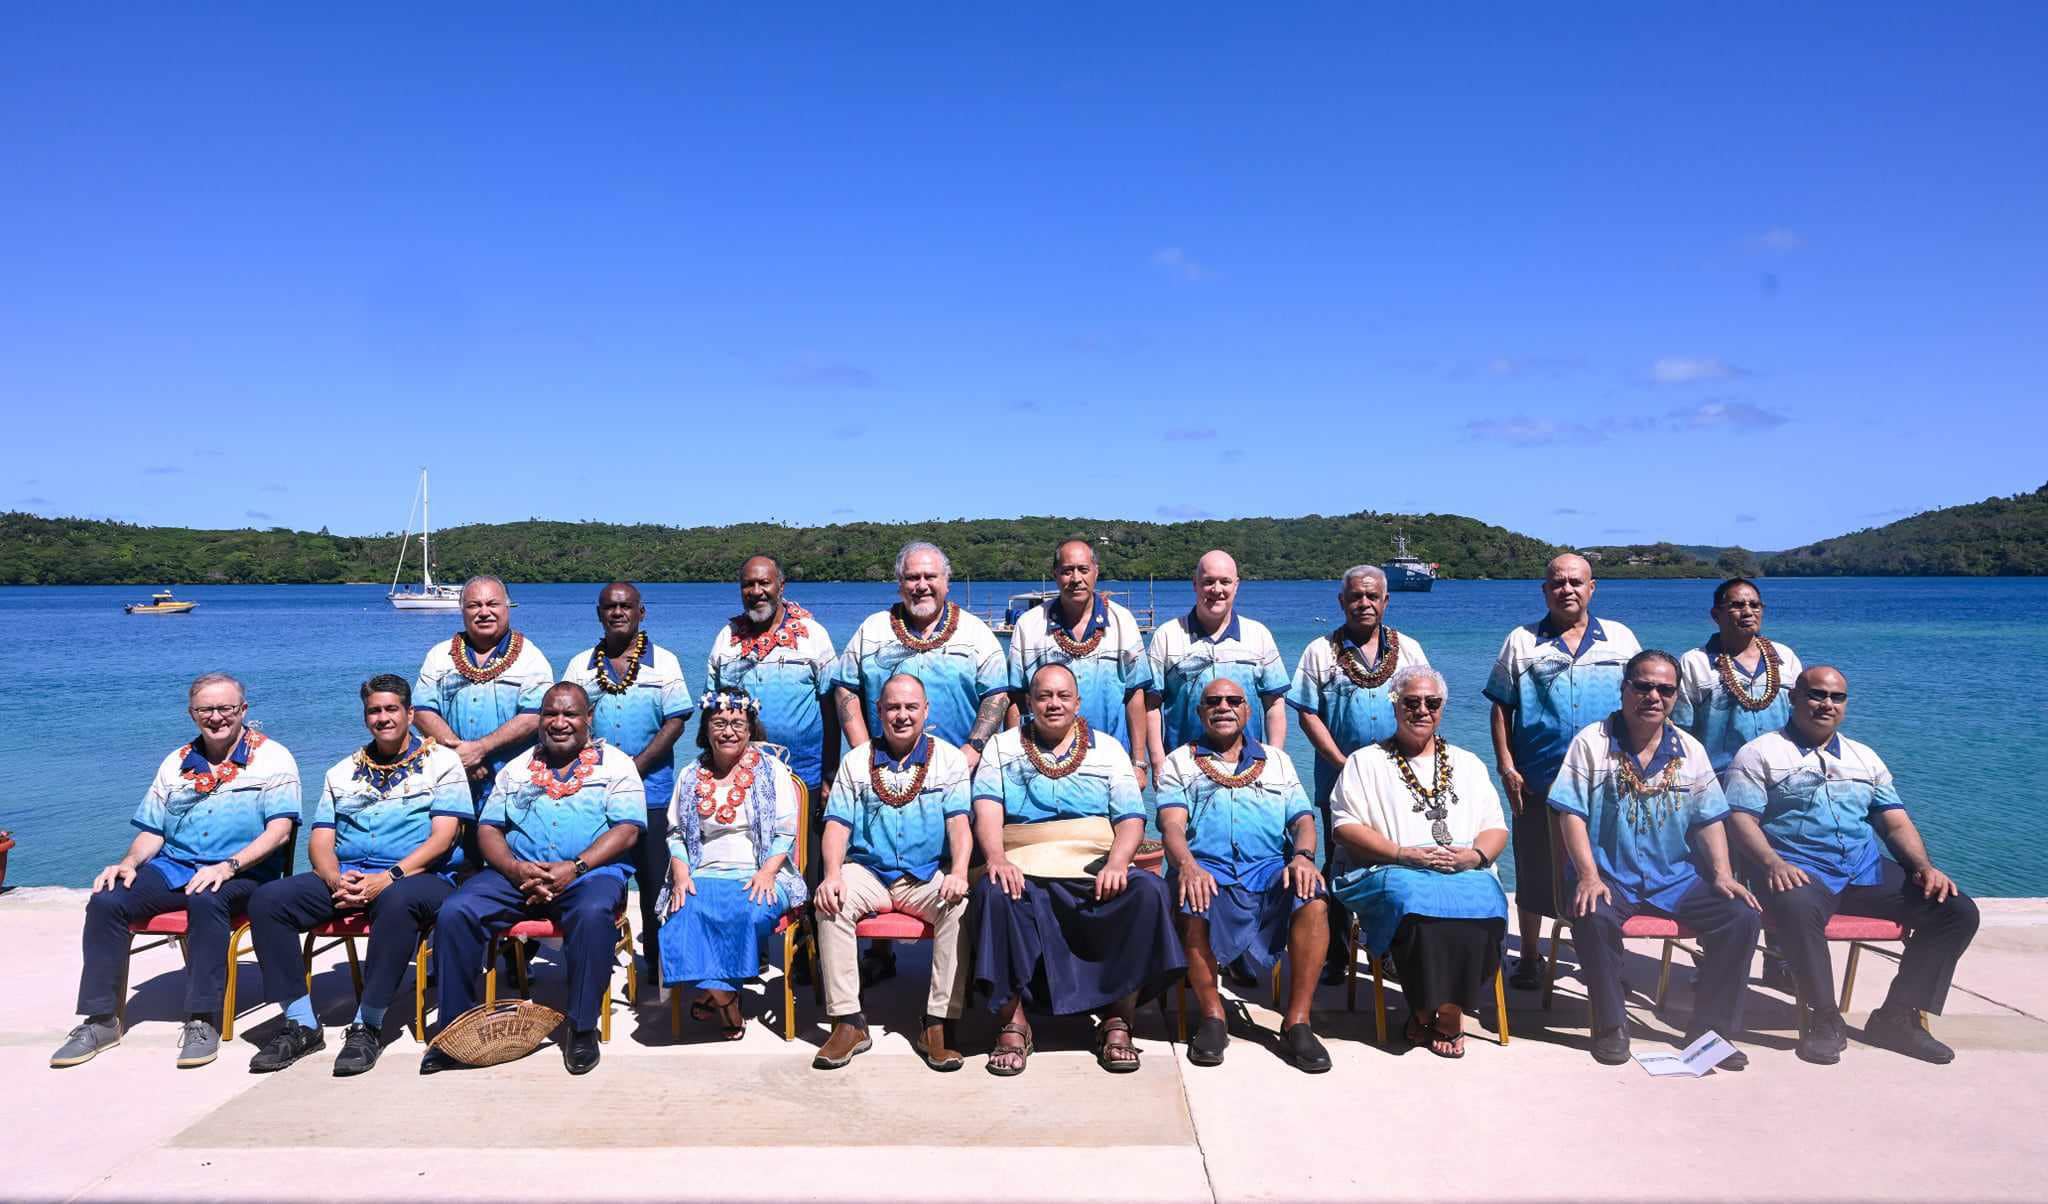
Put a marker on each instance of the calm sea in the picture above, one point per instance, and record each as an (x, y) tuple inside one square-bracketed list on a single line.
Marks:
[(1940, 671)]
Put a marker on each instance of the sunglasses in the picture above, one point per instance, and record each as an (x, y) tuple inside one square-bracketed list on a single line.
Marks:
[(1223, 700), (1660, 689), (1418, 702), (1834, 696)]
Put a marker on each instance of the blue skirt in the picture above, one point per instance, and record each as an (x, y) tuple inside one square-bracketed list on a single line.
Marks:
[(718, 935), (1245, 923), (1383, 895), (1065, 952)]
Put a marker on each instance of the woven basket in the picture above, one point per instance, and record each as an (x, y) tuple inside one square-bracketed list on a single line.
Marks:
[(504, 1031)]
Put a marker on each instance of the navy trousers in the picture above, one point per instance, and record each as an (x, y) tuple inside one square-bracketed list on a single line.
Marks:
[(208, 918), (650, 867), (284, 910), (1728, 930), (488, 903), (1940, 933)]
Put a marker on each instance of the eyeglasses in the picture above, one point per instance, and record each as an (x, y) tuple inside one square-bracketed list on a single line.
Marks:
[(1419, 702), (217, 712), (1660, 689), (1223, 700), (734, 722), (1834, 696)]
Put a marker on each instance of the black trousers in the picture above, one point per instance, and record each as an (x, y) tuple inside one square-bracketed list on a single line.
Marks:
[(209, 918), (1447, 961), (1728, 930), (488, 903), (284, 910), (650, 870), (1531, 834), (1940, 933)]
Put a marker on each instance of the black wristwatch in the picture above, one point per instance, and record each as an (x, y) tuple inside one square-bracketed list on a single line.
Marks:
[(581, 869), (1484, 860), (978, 743), (1306, 853), (396, 872)]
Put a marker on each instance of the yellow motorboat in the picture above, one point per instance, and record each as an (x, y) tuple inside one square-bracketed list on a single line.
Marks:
[(160, 603)]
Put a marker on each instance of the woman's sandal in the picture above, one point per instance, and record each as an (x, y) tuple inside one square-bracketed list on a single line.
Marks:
[(701, 1010), (1021, 1051), (731, 1025), (1117, 1057), (1447, 1036)]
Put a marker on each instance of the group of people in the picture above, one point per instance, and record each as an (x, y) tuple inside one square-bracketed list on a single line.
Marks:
[(1000, 797)]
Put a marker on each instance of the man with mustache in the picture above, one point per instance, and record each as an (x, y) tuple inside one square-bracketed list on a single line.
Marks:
[(479, 693)]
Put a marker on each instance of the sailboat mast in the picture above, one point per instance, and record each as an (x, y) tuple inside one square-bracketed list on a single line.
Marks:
[(426, 532)]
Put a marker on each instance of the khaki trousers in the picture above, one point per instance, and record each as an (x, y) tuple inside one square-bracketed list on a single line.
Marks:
[(865, 895)]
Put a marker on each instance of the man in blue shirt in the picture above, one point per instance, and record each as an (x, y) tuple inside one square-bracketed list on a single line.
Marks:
[(479, 692), (1814, 809)]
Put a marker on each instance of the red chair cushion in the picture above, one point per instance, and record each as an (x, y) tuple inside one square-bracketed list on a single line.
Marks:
[(788, 921), (354, 923), (1863, 928), (540, 930), (893, 926), (170, 923), (1656, 927)]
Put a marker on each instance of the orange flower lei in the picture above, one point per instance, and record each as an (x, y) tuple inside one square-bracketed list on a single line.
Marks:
[(909, 793), (545, 778), (1229, 781), (1726, 664), (938, 638), (491, 669), (603, 665), (217, 776), (1056, 769), (785, 634), (708, 805), (1382, 669)]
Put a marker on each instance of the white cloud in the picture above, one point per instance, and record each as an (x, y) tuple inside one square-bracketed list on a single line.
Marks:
[(1738, 414), (1685, 370), (1522, 431), (1778, 238), (1178, 263)]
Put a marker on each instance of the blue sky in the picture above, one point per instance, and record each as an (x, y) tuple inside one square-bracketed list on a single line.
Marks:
[(1728, 274)]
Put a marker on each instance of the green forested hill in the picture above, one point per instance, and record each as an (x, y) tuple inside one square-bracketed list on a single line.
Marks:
[(1997, 537)]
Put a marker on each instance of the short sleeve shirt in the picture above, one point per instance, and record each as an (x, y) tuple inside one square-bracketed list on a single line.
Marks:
[(630, 719), (1552, 692), (1355, 715), (474, 710), (1103, 785), (540, 828), (957, 674), (1818, 806), (207, 814), (1642, 842), (1240, 834), (907, 841), (789, 670), (1184, 660), (1372, 791), (1707, 710), (379, 819), (1107, 674)]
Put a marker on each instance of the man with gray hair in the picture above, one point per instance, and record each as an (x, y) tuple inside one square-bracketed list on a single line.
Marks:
[(479, 692)]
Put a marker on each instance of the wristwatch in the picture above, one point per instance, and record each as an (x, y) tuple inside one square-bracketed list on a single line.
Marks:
[(978, 743), (581, 869), (234, 865), (396, 872), (1484, 860)]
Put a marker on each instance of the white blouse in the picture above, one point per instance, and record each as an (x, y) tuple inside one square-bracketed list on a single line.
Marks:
[(1370, 791)]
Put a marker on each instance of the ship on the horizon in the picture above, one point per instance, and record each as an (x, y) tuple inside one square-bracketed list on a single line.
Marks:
[(1408, 573)]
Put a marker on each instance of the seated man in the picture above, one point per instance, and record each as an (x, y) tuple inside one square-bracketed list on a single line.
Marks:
[(210, 822), (382, 828), (556, 833), (1241, 838), (1638, 804), (1810, 807), (896, 839), (1061, 921)]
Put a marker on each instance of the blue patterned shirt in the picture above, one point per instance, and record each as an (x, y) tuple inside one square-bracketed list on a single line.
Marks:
[(1552, 692), (1242, 835), (1641, 844), (201, 829), (907, 841)]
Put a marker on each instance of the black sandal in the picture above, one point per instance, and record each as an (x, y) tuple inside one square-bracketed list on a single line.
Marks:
[(1105, 1048), (1212, 1035), (731, 1024), (1020, 1052)]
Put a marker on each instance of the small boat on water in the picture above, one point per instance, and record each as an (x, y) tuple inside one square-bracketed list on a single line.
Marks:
[(428, 596), (1407, 573), (160, 603)]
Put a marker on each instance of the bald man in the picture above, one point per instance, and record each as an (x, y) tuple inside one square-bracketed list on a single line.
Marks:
[(1212, 640), (639, 702), (1552, 679), (1096, 638), (479, 693)]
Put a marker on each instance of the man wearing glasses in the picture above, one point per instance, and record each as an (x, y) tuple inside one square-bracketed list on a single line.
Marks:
[(1640, 815), (1813, 808), (1738, 685), (479, 692), (208, 828)]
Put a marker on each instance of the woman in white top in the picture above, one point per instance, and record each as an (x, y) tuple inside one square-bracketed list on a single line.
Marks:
[(1418, 826)]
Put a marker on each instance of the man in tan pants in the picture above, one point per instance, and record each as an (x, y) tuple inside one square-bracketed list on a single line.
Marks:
[(897, 838)]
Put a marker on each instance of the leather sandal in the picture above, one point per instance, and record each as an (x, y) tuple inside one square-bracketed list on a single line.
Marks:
[(1106, 1049), (1448, 1032), (1022, 1052), (731, 1024)]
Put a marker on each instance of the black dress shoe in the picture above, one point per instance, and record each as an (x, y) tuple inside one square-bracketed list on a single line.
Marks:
[(580, 1052), (434, 1061), (1212, 1037), (1900, 1030), (1528, 975), (288, 1046), (1824, 1040), (360, 1046), (1307, 1053), (1610, 1046)]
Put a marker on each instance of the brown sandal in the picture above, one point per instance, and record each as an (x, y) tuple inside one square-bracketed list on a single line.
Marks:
[(1022, 1051), (1107, 1050)]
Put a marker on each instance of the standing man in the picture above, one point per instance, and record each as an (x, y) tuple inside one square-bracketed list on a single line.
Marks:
[(1340, 697), (480, 692), (1738, 685), (1211, 641), (1553, 678), (1098, 641), (639, 702)]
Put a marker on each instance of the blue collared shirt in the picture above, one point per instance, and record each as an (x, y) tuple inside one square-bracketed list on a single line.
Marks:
[(1102, 785), (631, 720), (1707, 710), (1185, 660), (377, 826), (957, 675), (539, 828), (790, 681), (201, 829), (1107, 675), (474, 710), (1242, 835), (1641, 844), (1552, 692), (1818, 806), (903, 842), (1355, 715)]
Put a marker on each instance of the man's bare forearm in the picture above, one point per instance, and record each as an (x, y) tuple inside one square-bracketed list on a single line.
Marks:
[(989, 719)]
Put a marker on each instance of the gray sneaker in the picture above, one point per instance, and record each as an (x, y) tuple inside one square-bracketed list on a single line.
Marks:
[(198, 1044), (85, 1043)]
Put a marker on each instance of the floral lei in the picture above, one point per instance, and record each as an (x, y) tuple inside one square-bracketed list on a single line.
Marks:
[(603, 665), (937, 639), (1067, 643), (217, 776), (1436, 800), (491, 669), (784, 635), (1228, 781), (545, 778), (1726, 664), (909, 793), (708, 805), (1046, 766), (1382, 669), (383, 777)]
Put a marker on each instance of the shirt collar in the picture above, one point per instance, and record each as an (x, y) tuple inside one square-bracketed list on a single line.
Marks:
[(504, 642), (1378, 633), (196, 762), (1833, 747), (1667, 747), (1252, 751), (1713, 649), (1546, 632), (919, 754), (597, 651), (1098, 616), (1229, 631)]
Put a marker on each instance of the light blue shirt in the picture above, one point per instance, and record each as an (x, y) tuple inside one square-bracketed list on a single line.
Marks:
[(1242, 835), (1102, 785), (630, 720), (1642, 845), (957, 675), (790, 682), (1184, 660), (539, 828), (379, 819), (899, 842), (474, 710), (1819, 807), (1107, 675), (204, 828), (1707, 710), (1355, 715), (1552, 692)]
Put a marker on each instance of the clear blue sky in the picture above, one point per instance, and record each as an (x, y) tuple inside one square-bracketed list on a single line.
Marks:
[(1600, 273)]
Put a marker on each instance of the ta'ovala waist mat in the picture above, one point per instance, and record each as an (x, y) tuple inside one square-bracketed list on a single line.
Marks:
[(1059, 848)]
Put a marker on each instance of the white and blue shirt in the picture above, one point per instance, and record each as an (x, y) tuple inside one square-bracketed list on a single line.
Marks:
[(1552, 692), (1818, 805), (539, 828), (1184, 660), (1355, 715), (201, 828), (1242, 835), (1107, 675), (379, 818), (629, 721), (1103, 785), (1642, 844), (474, 710), (957, 675), (1707, 710), (905, 842), (790, 679)]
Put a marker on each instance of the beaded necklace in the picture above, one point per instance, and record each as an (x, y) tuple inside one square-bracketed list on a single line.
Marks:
[(1354, 668), (783, 635), (1434, 805), (381, 776), (1229, 781), (709, 806), (586, 761), (1049, 767), (217, 776), (603, 665), (1726, 664), (937, 639), (1067, 643), (909, 793), (1642, 803), (491, 669)]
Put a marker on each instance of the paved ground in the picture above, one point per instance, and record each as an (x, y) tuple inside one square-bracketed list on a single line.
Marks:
[(706, 1120)]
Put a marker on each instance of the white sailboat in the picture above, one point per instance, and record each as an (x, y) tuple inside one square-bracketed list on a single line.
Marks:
[(428, 596)]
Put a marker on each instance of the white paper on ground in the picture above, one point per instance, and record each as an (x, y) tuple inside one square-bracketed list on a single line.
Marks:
[(1692, 1062)]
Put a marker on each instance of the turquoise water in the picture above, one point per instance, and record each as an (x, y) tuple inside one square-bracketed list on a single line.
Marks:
[(1940, 670)]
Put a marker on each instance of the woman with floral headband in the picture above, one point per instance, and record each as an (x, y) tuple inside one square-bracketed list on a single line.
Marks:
[(732, 832)]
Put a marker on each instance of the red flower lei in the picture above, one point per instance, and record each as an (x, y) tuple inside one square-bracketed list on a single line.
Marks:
[(544, 777), (491, 669), (708, 805), (785, 634), (217, 776), (937, 639)]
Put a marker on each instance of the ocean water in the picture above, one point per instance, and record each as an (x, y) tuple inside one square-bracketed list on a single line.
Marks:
[(1941, 674)]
